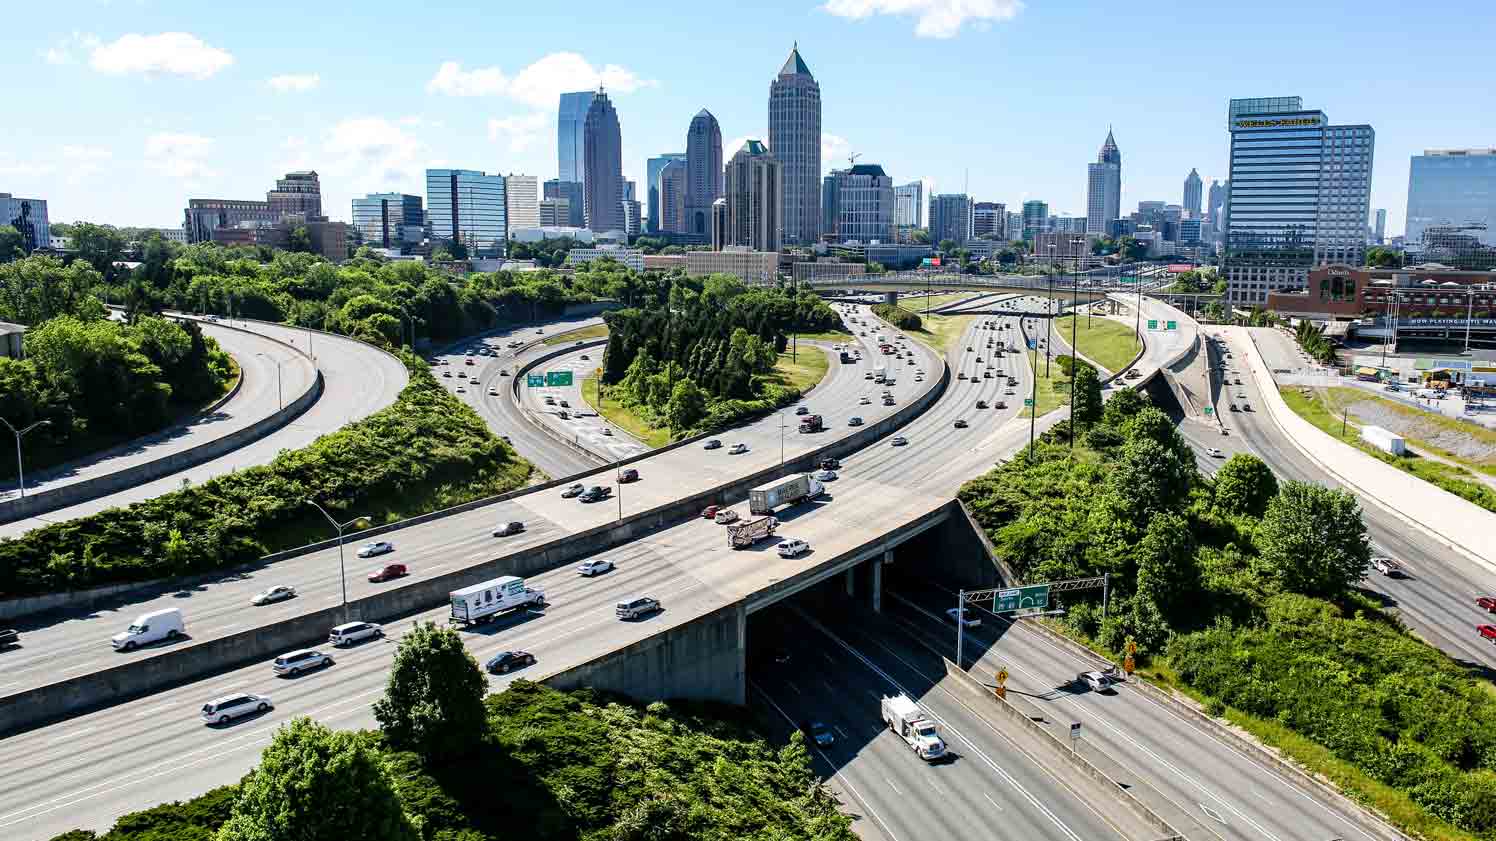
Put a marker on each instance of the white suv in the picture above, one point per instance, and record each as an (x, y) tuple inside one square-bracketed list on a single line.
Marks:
[(351, 632), (229, 707), (793, 548)]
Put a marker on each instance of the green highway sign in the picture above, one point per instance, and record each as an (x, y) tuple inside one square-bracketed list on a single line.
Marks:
[(1210, 410), (534, 380), (1028, 401), (1152, 324), (1171, 325), (1034, 596), (562, 378)]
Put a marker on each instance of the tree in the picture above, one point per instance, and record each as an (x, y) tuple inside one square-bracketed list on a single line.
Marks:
[(12, 246), (1384, 258), (300, 240), (433, 702), (1149, 479), (1132, 248), (1085, 403), (1123, 405), (1166, 563), (1312, 540), (946, 246), (686, 406), (1153, 424), (920, 236), (1244, 485), (99, 246), (317, 784)]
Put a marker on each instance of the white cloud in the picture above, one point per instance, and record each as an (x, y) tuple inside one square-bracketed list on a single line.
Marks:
[(521, 132), (936, 18), (294, 82), (539, 85), (170, 53), (62, 52), (179, 155), (57, 55), (83, 162), (834, 150), (373, 153)]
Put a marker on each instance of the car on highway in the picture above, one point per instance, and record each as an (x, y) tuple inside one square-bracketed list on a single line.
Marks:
[(981, 404), (596, 493), (1386, 566), (636, 607), (710, 511), (238, 705), (1241, 395), (818, 733), (271, 595), (493, 392), (503, 372), (563, 404), (388, 572), (899, 441), (382, 547), (461, 390), (1486, 603), (586, 358), (986, 375), (826, 475), (296, 662), (608, 432), (1098, 681), (961, 376), (793, 548), (802, 410), (9, 637), (508, 529), (712, 444), (447, 374), (1246, 407), (725, 516), (1214, 452), (1235, 408), (349, 633), (1487, 632), (550, 401), (854, 421), (576, 489), (738, 449), (506, 661), (960, 423), (830, 463), (594, 567), (1007, 392), (968, 619), (628, 475), (864, 400)]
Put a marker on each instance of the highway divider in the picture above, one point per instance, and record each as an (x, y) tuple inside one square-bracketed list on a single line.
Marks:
[(194, 660), (518, 379)]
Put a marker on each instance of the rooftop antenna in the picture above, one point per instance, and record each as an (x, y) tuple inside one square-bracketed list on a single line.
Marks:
[(852, 159)]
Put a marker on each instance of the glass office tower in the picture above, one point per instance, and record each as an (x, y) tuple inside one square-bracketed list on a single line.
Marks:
[(1452, 187), (467, 206), (388, 220)]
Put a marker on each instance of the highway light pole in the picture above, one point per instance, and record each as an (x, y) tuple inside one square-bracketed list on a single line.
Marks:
[(618, 480), (19, 433), (1074, 347), (1034, 397), (279, 400), (342, 569), (1049, 310)]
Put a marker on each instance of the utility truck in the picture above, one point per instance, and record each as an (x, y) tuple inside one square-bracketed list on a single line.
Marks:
[(905, 718), (481, 602), (743, 534), (789, 490)]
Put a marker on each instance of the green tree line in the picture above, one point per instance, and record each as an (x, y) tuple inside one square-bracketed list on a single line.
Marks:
[(898, 316)]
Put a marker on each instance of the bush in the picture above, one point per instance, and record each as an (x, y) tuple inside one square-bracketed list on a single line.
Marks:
[(898, 316)]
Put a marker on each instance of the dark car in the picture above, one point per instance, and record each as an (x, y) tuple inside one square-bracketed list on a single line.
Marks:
[(629, 475), (818, 733), (506, 661), (596, 493), (830, 463), (9, 637), (390, 571)]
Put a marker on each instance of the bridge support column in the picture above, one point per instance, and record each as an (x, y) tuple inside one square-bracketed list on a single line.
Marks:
[(851, 577), (878, 579)]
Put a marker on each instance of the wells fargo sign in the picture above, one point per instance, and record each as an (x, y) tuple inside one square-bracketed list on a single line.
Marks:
[(1280, 122)]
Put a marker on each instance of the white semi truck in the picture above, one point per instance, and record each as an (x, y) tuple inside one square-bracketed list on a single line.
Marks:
[(481, 602), (905, 718), (743, 534), (788, 490)]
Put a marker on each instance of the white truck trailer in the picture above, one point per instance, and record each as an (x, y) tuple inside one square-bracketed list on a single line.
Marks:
[(743, 534), (905, 718), (481, 602), (788, 490), (1387, 442)]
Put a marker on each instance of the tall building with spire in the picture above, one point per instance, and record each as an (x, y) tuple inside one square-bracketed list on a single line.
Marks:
[(1104, 188), (602, 176), (1192, 193), (703, 171), (795, 141)]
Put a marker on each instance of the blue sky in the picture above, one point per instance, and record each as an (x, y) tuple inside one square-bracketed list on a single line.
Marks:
[(119, 110)]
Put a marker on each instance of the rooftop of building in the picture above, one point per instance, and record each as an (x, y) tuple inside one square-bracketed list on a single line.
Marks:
[(794, 65)]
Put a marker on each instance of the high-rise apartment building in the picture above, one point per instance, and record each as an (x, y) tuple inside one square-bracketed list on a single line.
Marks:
[(298, 192), (555, 213), (631, 211), (1192, 194), (754, 199), (674, 178), (468, 207), (857, 204), (1452, 188), (571, 136), (703, 171), (652, 169), (388, 220), (1379, 233), (989, 220), (1298, 196), (1036, 215), (795, 141), (602, 181), (521, 201), (950, 218), (909, 205), (29, 216), (1103, 190)]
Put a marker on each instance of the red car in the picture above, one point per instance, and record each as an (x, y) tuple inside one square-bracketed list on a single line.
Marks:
[(709, 512), (1486, 603), (1487, 632), (389, 572)]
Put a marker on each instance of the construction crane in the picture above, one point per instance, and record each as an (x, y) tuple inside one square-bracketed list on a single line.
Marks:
[(852, 159)]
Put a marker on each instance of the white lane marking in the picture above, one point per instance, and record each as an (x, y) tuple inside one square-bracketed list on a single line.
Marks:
[(153, 710), (894, 787), (73, 735), (993, 802), (1212, 814), (791, 684)]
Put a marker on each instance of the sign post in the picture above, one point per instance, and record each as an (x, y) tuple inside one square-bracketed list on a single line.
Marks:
[(1002, 679), (1152, 324), (1074, 734)]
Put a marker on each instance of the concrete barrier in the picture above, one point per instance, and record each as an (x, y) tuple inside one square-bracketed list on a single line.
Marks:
[(1015, 716), (516, 381)]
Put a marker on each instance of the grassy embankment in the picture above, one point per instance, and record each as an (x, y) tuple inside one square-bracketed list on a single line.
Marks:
[(595, 331), (1108, 343)]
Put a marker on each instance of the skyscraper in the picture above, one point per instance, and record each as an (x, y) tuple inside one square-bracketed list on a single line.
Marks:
[(795, 140), (298, 192), (703, 171), (630, 209), (673, 180), (602, 175), (29, 216), (1103, 189), (1298, 196), (388, 220), (1192, 192), (989, 219), (1452, 187), (950, 218), (909, 205), (1379, 234), (1036, 214), (468, 207), (1214, 199), (571, 137), (521, 201), (569, 192), (857, 204), (652, 169), (754, 201)]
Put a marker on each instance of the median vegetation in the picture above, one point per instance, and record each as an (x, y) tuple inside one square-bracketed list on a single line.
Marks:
[(1246, 592), (897, 316), (428, 450), (448, 764)]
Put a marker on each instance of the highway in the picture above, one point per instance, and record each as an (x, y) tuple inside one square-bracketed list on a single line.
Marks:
[(358, 381)]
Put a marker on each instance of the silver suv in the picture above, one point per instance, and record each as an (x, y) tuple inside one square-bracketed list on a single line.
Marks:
[(352, 632), (636, 607), (297, 662), (229, 707)]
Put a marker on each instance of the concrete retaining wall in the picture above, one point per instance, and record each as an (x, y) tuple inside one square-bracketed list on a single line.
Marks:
[(517, 381), (704, 659)]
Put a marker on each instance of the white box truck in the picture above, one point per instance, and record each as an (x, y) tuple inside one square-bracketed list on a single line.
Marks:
[(1387, 442), (879, 373), (748, 532), (905, 718), (786, 491), (481, 602)]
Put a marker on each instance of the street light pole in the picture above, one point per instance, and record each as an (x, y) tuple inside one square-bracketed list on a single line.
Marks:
[(1074, 347), (279, 400), (20, 472), (342, 569)]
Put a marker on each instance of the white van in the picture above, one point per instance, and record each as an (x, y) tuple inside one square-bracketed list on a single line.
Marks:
[(349, 633), (150, 627)]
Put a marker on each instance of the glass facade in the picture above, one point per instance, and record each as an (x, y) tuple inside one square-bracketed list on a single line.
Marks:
[(950, 218), (858, 204), (383, 217), (571, 140), (909, 205), (652, 169), (1455, 187), (468, 207)]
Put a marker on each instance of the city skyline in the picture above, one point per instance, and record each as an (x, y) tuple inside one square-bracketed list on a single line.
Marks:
[(225, 112)]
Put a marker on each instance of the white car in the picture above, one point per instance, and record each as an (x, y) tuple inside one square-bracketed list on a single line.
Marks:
[(864, 401), (229, 707), (1214, 452), (608, 432), (725, 516), (349, 633), (967, 619), (278, 593), (296, 662), (826, 475), (899, 441), (712, 444), (738, 449), (1386, 566), (1097, 681), (382, 547), (793, 548), (591, 568)]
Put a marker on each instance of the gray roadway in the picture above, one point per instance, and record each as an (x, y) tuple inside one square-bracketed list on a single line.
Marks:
[(358, 381)]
